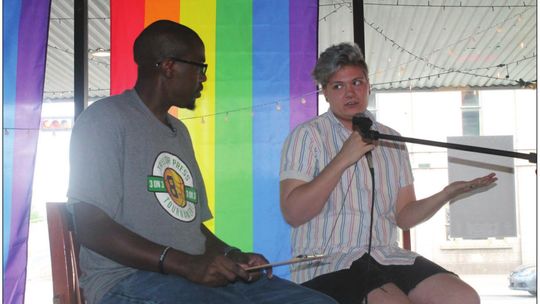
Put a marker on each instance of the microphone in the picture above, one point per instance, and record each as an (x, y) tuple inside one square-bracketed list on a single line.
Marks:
[(369, 160), (363, 124)]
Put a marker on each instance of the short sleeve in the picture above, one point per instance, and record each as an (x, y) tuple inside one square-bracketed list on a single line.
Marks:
[(95, 161), (299, 156), (405, 174)]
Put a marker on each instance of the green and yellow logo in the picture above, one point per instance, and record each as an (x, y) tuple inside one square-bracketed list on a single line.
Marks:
[(172, 183)]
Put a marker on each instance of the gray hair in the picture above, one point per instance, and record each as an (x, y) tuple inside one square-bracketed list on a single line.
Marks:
[(334, 58)]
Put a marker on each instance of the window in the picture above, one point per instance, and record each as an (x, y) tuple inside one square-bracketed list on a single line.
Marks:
[(470, 113)]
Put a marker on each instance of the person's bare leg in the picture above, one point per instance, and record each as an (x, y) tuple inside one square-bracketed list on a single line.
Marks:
[(388, 294), (443, 288)]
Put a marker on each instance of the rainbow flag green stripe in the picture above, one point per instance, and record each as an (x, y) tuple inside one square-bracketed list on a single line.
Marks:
[(234, 178), (260, 55)]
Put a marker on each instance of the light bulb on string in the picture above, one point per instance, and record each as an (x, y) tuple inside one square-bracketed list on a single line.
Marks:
[(202, 120), (226, 118), (401, 71), (303, 100), (278, 106)]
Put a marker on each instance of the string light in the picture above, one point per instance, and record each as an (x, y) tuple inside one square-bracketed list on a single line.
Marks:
[(467, 72), (428, 63), (276, 104), (337, 7), (28, 130), (432, 66), (429, 5), (90, 59)]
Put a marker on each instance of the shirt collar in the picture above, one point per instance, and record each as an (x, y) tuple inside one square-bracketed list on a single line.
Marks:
[(337, 122)]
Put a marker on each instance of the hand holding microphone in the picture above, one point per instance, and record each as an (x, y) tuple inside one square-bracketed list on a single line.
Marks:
[(362, 124), (354, 148)]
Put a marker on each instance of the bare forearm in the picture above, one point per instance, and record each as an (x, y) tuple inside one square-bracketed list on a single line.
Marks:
[(306, 200), (213, 244), (99, 233), (415, 211), (421, 210)]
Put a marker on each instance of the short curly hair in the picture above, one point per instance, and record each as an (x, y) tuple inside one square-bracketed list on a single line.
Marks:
[(163, 39), (336, 57)]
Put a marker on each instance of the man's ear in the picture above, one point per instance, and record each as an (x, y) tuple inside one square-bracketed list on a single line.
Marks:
[(166, 68)]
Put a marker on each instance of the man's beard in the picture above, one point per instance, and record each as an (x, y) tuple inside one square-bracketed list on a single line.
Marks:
[(191, 104)]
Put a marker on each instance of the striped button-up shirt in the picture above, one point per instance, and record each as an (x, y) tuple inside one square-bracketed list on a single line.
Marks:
[(341, 229)]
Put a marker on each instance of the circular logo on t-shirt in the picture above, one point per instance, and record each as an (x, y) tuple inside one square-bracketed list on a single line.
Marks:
[(172, 183)]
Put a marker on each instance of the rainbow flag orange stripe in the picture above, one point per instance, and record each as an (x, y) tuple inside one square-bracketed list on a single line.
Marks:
[(260, 54)]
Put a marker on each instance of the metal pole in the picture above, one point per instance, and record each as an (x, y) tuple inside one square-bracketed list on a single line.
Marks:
[(358, 24), (81, 56)]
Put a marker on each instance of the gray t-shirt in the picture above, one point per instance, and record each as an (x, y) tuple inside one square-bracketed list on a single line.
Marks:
[(140, 172)]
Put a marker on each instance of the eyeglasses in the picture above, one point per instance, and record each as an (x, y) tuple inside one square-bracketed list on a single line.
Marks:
[(202, 66)]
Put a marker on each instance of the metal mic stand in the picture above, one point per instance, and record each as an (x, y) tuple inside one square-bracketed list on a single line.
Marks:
[(364, 123)]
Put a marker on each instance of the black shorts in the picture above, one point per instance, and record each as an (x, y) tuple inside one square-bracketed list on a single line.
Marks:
[(353, 284)]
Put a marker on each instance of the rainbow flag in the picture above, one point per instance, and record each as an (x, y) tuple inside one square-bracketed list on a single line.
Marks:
[(260, 55), (24, 45)]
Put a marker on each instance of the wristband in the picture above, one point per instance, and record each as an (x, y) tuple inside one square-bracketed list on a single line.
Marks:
[(162, 258), (230, 249)]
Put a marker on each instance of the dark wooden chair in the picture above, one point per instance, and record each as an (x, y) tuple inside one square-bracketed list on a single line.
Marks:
[(64, 256), (407, 240)]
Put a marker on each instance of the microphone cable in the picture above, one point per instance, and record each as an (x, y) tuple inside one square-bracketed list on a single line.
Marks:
[(372, 171), (337, 217)]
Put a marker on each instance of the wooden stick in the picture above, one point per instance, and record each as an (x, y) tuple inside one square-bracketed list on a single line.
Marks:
[(298, 259)]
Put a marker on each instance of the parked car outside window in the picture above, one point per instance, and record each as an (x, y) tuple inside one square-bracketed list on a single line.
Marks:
[(523, 278)]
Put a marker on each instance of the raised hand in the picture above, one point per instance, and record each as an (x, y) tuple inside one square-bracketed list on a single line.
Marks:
[(456, 188), (354, 148)]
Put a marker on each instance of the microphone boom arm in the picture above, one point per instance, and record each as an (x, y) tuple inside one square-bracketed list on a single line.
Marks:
[(531, 157)]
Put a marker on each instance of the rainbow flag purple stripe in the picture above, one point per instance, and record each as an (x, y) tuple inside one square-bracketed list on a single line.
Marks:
[(25, 29)]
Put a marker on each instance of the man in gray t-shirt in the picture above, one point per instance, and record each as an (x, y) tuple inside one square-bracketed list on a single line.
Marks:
[(138, 199)]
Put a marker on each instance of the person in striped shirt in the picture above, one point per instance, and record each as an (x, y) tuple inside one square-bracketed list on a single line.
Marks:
[(327, 192)]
